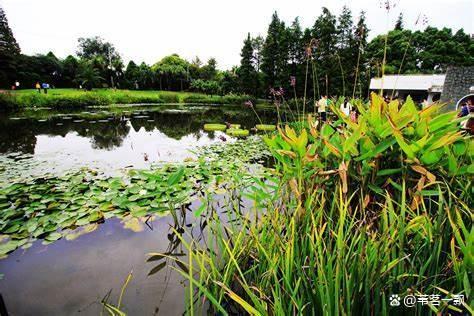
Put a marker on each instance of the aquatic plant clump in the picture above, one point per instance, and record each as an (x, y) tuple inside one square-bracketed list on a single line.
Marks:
[(358, 211), (44, 207)]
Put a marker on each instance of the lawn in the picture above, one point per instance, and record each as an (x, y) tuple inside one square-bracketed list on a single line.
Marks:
[(76, 98)]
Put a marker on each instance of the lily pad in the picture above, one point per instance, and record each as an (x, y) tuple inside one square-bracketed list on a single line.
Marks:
[(238, 132), (215, 127), (265, 127)]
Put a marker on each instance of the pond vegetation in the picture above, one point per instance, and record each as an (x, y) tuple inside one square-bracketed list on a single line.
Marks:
[(45, 207), (354, 212)]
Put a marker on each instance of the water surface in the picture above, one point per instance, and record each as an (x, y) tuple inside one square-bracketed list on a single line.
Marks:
[(72, 277)]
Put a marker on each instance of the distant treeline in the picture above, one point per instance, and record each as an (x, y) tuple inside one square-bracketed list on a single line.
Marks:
[(333, 57)]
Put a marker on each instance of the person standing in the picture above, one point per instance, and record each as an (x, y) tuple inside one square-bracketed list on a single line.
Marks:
[(322, 104), (38, 87), (346, 108), (45, 87)]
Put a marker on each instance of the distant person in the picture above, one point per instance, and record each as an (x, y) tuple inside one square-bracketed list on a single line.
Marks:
[(425, 103), (354, 115), (45, 87), (322, 104), (38, 87), (470, 121), (346, 108), (464, 110), (136, 85), (17, 84)]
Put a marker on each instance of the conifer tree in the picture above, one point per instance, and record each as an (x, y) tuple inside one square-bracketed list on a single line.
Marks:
[(246, 72), (9, 52), (324, 32), (399, 23), (275, 54)]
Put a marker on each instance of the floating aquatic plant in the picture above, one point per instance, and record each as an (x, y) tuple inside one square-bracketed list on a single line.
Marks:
[(51, 207), (215, 127)]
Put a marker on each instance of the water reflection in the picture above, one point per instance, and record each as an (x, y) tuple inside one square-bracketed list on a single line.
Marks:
[(115, 139), (71, 277)]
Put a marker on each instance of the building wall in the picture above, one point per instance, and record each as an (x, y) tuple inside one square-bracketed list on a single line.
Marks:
[(456, 85)]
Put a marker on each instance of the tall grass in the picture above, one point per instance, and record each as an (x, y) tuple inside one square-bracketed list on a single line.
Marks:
[(353, 215)]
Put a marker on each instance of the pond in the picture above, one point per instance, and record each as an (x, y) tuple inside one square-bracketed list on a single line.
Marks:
[(72, 275)]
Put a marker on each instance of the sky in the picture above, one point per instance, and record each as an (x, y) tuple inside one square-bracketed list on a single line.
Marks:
[(147, 30)]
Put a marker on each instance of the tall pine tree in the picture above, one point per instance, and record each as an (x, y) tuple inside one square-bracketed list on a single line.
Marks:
[(325, 33), (275, 54), (296, 54), (9, 52), (399, 23), (346, 49), (362, 76), (247, 73)]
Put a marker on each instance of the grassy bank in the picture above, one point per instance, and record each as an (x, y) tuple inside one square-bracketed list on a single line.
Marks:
[(57, 98)]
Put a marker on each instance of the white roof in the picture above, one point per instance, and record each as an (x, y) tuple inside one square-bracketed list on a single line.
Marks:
[(409, 82)]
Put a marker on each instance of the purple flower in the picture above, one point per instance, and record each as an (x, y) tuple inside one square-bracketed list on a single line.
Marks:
[(248, 104)]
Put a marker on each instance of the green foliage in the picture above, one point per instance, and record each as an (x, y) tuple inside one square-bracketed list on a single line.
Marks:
[(9, 52), (215, 127), (350, 216), (237, 132), (205, 86), (51, 207), (88, 76), (57, 98), (246, 72), (265, 127)]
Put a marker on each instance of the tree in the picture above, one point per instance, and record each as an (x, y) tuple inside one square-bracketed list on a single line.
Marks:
[(70, 67), (257, 45), (132, 73), (347, 50), (88, 76), (209, 71), (172, 73), (296, 55), (9, 52), (325, 34), (104, 56), (439, 48), (275, 54), (399, 23), (146, 76), (228, 81), (246, 72), (205, 86), (362, 65)]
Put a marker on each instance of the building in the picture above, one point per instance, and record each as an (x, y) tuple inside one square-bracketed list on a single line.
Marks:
[(453, 88), (419, 87), (458, 86)]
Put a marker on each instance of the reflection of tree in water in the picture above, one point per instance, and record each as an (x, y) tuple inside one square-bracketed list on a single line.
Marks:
[(173, 125), (20, 135), (179, 124), (15, 137), (108, 135)]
